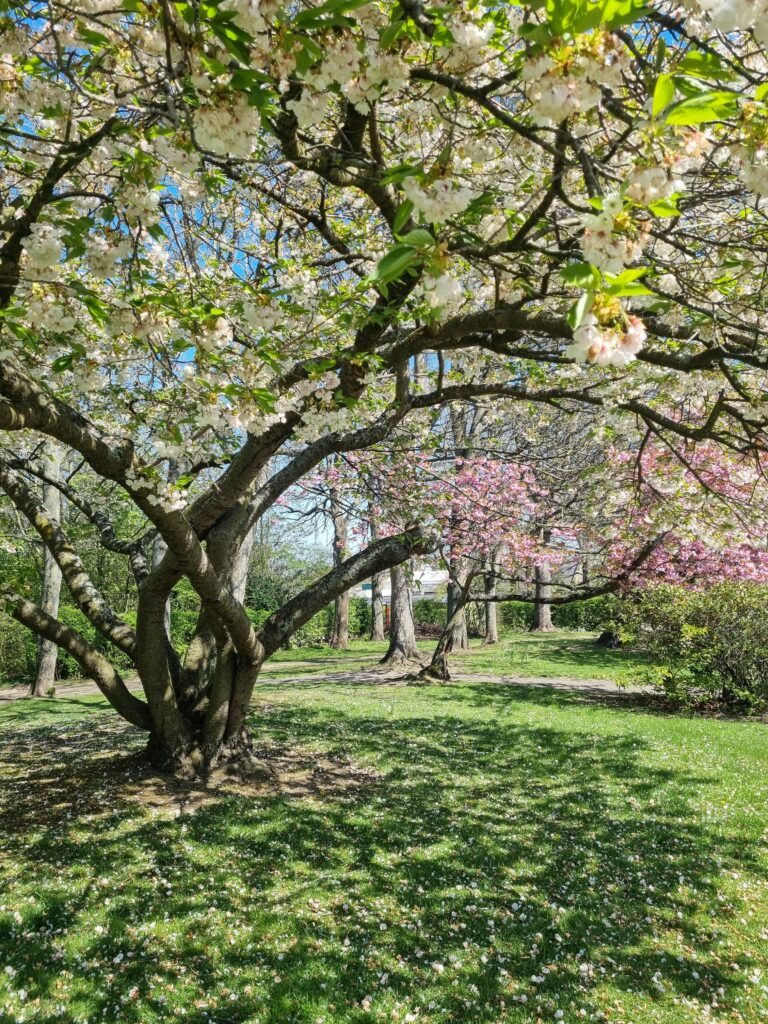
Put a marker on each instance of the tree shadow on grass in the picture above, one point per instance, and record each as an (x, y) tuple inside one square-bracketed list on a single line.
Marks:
[(490, 853)]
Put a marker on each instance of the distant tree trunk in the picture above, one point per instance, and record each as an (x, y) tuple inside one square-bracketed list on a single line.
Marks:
[(491, 608), (542, 610), (50, 591), (458, 639), (437, 669), (377, 596), (377, 607), (340, 635), (402, 634)]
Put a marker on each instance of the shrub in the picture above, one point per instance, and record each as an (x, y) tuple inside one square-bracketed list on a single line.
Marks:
[(360, 617), (429, 612), (710, 644), (316, 632), (516, 615), (18, 652), (594, 614)]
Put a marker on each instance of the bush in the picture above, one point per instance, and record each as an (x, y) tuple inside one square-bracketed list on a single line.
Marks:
[(710, 644), (360, 617), (428, 612), (595, 614), (18, 652), (516, 615)]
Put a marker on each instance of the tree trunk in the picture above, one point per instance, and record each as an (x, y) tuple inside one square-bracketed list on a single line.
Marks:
[(377, 595), (377, 607), (458, 639), (50, 591), (437, 669), (491, 608), (340, 635), (402, 634), (542, 610)]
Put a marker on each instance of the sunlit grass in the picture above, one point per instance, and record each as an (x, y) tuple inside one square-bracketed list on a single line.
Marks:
[(524, 856)]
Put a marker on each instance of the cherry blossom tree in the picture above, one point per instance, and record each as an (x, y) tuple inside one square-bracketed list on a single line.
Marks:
[(245, 236)]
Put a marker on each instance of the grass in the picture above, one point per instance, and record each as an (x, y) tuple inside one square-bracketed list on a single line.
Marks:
[(525, 856), (566, 653), (563, 653)]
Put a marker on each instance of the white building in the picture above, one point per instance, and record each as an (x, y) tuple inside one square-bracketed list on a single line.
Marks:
[(430, 584)]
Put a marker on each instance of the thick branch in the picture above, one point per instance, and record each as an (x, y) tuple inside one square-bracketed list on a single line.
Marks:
[(377, 557), (84, 592), (92, 662)]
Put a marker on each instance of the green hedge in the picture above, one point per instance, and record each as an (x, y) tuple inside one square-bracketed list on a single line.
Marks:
[(18, 652), (428, 612), (592, 615), (709, 645)]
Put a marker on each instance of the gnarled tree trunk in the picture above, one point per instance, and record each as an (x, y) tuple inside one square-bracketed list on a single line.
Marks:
[(457, 639), (377, 607)]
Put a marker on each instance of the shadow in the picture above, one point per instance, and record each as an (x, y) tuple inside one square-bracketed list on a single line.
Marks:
[(492, 853)]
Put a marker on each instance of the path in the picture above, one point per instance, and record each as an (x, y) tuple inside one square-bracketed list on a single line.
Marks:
[(368, 676)]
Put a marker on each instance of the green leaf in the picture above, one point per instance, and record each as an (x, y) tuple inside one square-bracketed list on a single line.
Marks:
[(761, 92), (390, 33), (627, 283), (666, 207), (234, 39), (631, 274), (579, 310), (328, 14), (419, 237), (663, 94), (707, 106), (62, 363), (581, 275), (396, 262), (622, 12), (703, 65), (404, 211)]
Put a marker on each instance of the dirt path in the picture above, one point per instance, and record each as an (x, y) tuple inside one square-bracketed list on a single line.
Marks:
[(368, 676)]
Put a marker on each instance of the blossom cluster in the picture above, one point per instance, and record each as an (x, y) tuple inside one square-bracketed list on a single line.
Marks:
[(439, 201), (604, 246), (734, 15), (753, 167), (43, 246), (443, 292), (607, 346), (229, 127), (572, 83)]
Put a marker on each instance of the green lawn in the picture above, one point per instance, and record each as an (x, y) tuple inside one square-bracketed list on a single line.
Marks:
[(524, 855), (562, 653)]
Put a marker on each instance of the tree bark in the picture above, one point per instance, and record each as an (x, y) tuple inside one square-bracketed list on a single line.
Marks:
[(491, 607), (402, 633), (340, 635), (377, 606), (542, 610), (437, 669), (457, 640), (377, 595), (50, 591)]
